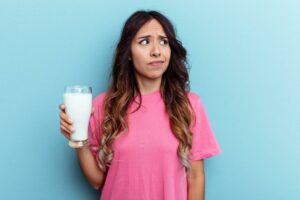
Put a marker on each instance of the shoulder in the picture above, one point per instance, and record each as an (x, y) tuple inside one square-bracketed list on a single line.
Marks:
[(98, 99), (193, 95), (194, 98), (98, 103)]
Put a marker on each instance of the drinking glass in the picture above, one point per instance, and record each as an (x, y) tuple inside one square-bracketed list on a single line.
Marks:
[(78, 103)]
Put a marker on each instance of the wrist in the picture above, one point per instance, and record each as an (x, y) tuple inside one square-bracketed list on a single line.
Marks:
[(82, 148), (78, 144)]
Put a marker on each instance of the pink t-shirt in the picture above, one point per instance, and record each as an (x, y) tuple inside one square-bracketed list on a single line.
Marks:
[(145, 165)]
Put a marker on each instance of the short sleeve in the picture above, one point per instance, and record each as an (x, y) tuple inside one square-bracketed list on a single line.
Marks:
[(94, 128), (204, 143)]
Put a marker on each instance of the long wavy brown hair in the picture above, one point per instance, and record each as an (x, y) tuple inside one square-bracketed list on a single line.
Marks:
[(124, 87)]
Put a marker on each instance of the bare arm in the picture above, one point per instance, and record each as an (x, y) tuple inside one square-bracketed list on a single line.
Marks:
[(87, 161), (196, 181), (89, 167)]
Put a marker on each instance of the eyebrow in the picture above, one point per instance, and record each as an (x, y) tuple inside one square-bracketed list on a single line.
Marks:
[(147, 36)]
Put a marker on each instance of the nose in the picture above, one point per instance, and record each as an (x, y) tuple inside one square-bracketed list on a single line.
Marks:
[(155, 51)]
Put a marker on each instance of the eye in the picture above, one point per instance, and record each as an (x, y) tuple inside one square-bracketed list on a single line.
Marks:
[(144, 41), (164, 42)]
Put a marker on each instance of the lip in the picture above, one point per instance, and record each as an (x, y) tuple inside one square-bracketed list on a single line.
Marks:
[(156, 63)]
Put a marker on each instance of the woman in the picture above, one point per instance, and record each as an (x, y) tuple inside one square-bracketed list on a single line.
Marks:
[(148, 135)]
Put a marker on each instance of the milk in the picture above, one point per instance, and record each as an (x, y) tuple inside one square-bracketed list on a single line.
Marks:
[(78, 108)]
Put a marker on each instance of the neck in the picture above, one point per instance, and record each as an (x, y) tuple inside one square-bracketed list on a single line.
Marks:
[(148, 85)]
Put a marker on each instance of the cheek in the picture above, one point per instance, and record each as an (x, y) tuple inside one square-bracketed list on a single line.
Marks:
[(138, 55), (167, 53)]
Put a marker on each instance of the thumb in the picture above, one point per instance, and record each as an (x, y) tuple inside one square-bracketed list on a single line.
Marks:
[(93, 110)]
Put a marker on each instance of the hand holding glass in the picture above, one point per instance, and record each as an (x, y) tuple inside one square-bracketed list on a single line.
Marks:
[(78, 102)]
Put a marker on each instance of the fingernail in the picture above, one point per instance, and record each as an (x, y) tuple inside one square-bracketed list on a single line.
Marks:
[(72, 129)]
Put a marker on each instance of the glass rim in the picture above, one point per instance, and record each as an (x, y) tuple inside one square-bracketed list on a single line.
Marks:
[(77, 89)]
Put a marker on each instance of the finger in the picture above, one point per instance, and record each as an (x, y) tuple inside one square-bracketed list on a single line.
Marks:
[(67, 126), (65, 118), (65, 131), (93, 110), (66, 136), (62, 107)]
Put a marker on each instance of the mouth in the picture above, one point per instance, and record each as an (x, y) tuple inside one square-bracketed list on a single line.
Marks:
[(156, 63)]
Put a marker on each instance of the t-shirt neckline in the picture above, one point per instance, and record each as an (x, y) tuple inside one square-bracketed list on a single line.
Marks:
[(151, 93), (149, 98)]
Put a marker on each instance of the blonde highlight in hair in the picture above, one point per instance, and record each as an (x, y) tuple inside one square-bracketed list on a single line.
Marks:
[(124, 87), (181, 118)]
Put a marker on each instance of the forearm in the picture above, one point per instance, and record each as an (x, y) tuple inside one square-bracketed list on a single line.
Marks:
[(196, 188), (89, 167)]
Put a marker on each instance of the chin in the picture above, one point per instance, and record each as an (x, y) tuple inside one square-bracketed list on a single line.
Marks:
[(157, 73), (155, 76)]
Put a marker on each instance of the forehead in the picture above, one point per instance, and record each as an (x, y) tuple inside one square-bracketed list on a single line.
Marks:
[(152, 27)]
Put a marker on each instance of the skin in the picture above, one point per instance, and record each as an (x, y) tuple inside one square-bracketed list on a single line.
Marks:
[(196, 181), (150, 44), (87, 161)]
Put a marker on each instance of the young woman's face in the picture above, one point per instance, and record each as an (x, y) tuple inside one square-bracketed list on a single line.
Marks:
[(150, 51)]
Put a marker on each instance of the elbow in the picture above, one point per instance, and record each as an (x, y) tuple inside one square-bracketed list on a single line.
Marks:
[(97, 185), (97, 180)]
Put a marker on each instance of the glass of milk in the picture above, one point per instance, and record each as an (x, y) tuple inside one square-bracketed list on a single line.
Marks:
[(78, 103)]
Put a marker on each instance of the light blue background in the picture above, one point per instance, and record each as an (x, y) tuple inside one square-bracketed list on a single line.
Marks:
[(245, 65)]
